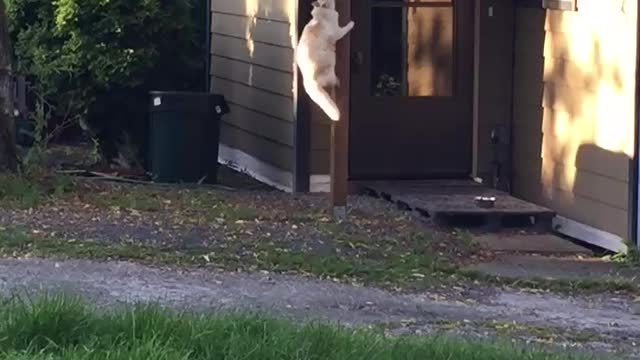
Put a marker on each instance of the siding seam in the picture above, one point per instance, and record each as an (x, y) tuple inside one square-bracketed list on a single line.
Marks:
[(261, 112), (260, 136), (251, 17), (252, 86), (254, 40), (248, 62)]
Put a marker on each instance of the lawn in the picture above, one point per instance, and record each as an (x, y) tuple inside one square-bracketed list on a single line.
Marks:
[(61, 328), (249, 228)]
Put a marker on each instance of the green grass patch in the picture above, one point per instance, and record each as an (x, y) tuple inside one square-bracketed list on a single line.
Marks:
[(556, 285), (20, 243), (205, 205), (399, 269), (31, 190), (411, 269), (140, 199), (55, 328)]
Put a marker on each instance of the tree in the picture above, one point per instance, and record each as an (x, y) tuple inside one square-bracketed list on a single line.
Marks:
[(96, 60), (8, 153)]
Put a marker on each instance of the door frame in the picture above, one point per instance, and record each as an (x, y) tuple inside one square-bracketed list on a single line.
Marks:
[(475, 84), (304, 117), (463, 25)]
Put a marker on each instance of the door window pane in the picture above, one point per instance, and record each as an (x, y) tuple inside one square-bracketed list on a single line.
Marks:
[(387, 58), (413, 49)]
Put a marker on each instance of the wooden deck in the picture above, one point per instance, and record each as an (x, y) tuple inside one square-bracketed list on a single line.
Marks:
[(451, 203)]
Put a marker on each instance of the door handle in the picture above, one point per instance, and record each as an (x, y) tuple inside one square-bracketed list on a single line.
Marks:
[(357, 60)]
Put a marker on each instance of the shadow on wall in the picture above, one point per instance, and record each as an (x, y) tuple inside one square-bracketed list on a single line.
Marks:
[(574, 111), (262, 36), (430, 53)]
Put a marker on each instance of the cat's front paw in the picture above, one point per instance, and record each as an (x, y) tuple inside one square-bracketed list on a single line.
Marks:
[(351, 24)]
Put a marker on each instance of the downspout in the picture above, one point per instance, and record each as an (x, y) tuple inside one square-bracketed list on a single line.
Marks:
[(634, 192), (514, 26), (207, 46)]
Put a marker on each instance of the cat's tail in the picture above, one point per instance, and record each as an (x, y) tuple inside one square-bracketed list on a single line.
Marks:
[(321, 97)]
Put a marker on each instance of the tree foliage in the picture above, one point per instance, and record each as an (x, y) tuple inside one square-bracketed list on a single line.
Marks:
[(98, 58)]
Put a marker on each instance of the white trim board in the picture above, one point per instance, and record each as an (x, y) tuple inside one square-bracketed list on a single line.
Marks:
[(257, 169), (266, 173), (589, 234), (320, 183)]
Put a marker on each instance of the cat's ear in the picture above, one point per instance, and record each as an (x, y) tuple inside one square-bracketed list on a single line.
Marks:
[(316, 4)]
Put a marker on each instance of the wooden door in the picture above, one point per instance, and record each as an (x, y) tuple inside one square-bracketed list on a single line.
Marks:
[(411, 89)]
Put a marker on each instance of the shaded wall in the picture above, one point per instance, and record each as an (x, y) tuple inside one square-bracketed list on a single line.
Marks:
[(252, 65), (494, 41), (573, 122)]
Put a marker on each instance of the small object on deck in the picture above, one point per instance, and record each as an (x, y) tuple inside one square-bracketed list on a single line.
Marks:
[(486, 202)]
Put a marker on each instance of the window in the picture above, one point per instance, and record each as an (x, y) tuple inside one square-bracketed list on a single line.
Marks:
[(413, 48)]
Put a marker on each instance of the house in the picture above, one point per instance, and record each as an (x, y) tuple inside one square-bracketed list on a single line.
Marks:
[(546, 89)]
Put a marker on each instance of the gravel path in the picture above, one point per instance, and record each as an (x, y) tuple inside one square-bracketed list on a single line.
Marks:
[(614, 320)]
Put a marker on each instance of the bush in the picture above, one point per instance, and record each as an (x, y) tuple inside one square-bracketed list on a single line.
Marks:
[(96, 59)]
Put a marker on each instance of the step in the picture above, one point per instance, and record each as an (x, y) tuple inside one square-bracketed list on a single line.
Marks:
[(452, 204)]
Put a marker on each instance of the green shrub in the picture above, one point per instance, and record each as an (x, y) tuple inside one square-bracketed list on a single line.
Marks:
[(96, 59)]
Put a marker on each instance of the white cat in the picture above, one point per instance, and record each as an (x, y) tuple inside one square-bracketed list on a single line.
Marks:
[(316, 54)]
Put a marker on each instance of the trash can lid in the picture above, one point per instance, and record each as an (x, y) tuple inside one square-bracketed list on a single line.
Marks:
[(187, 101), (181, 93)]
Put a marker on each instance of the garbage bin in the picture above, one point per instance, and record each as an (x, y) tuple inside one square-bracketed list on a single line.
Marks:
[(184, 132), (24, 131)]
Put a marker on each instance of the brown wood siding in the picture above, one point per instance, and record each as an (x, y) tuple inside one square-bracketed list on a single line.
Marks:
[(573, 130), (252, 65)]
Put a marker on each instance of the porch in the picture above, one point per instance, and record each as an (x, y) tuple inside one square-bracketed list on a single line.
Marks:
[(453, 203)]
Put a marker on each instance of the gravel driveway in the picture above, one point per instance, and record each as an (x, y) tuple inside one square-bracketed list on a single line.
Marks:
[(613, 322)]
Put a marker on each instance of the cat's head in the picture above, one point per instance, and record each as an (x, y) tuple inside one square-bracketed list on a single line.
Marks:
[(327, 4)]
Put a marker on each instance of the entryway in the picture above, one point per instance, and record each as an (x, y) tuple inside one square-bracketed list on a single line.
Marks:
[(411, 89)]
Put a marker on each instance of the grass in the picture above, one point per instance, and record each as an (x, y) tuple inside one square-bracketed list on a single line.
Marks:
[(508, 330), (58, 327), (555, 285), (404, 268), (250, 233), (201, 203), (30, 190), (413, 269)]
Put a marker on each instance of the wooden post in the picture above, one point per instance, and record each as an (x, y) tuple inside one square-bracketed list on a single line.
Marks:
[(340, 129)]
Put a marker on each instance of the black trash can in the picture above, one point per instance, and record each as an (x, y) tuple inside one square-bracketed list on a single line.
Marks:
[(184, 132)]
